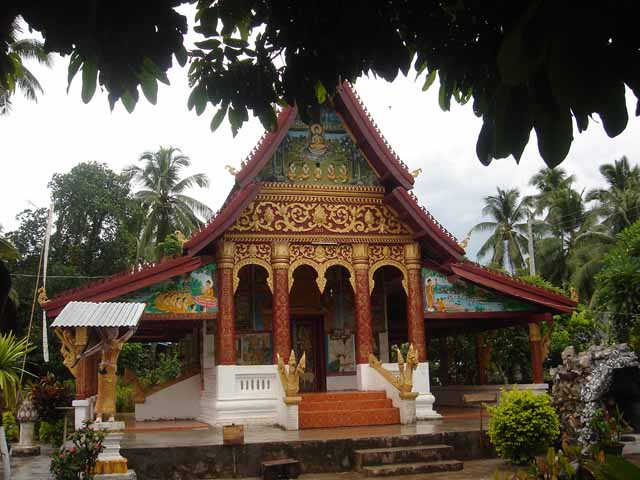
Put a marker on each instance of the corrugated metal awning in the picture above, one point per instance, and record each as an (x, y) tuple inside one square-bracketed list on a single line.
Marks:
[(103, 314)]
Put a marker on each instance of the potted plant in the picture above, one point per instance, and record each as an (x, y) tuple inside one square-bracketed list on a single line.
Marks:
[(608, 427)]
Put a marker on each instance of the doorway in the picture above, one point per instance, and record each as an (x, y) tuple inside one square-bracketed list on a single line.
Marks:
[(306, 336)]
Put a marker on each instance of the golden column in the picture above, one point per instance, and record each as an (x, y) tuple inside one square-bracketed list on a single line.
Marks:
[(280, 324), (364, 331), (226, 335), (415, 309), (535, 342)]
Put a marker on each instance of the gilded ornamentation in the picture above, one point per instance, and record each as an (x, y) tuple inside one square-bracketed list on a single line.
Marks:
[(70, 350), (317, 217), (252, 261), (320, 267), (415, 314), (463, 244), (231, 170), (290, 377), (226, 337), (415, 173), (42, 296), (388, 262), (281, 325), (404, 381), (380, 252), (364, 332), (180, 237)]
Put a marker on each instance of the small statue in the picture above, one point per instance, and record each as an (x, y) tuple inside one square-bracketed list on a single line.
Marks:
[(290, 376), (42, 296), (404, 381), (231, 170)]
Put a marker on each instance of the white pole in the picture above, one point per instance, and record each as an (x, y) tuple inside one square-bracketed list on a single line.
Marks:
[(532, 258), (45, 336), (4, 452)]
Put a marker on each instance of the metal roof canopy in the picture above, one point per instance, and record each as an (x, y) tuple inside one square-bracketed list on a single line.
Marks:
[(102, 314)]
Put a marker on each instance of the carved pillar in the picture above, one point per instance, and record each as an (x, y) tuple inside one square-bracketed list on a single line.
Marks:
[(280, 324), (226, 335), (364, 331), (415, 310), (535, 342)]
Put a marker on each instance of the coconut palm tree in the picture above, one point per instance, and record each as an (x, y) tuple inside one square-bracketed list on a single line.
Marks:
[(507, 240), (169, 209), (21, 78), (619, 203), (547, 181)]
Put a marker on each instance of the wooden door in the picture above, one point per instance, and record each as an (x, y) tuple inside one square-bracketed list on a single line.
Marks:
[(306, 333)]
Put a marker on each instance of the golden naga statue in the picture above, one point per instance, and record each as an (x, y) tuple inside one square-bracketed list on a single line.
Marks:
[(404, 381), (416, 172), (69, 350), (290, 376), (463, 244)]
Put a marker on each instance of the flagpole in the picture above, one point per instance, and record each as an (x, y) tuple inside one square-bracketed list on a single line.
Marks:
[(45, 336)]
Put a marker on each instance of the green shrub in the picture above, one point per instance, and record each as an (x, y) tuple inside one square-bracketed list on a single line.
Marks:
[(51, 432), (523, 425), (124, 399), (79, 461), (11, 430), (49, 394)]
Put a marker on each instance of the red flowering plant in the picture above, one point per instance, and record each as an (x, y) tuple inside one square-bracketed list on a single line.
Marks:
[(79, 461)]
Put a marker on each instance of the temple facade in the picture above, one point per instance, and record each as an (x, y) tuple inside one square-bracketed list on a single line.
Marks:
[(320, 249)]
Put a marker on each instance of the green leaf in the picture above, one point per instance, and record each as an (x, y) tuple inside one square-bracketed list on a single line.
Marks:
[(219, 116), (198, 99), (484, 145), (445, 92), (235, 42), (269, 120), (89, 79), (129, 100), (429, 80), (321, 92), (209, 44), (149, 87), (553, 124), (75, 62), (149, 66), (613, 110), (181, 55)]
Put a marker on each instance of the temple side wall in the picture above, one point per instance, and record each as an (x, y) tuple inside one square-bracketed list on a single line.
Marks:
[(179, 401)]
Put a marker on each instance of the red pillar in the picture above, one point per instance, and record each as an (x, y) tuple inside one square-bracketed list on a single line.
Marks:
[(281, 324), (226, 335), (415, 309), (364, 331), (535, 342)]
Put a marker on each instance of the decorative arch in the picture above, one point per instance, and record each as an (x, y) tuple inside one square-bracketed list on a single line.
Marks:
[(252, 261), (331, 263), (387, 262), (320, 280)]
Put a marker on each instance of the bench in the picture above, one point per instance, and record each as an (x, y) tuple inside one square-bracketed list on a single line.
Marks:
[(280, 469)]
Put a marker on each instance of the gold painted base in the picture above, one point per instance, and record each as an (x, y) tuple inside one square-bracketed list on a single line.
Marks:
[(292, 400), (111, 466)]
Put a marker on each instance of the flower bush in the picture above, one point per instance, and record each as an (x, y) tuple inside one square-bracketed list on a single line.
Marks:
[(523, 425), (49, 394), (10, 426), (79, 461)]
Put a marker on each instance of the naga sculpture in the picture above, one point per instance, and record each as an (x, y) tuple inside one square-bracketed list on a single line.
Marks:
[(290, 376), (404, 381)]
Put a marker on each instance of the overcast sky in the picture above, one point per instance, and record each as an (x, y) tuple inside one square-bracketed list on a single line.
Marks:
[(60, 131)]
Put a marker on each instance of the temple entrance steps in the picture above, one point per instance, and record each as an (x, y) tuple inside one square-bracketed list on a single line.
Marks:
[(346, 409), (379, 462)]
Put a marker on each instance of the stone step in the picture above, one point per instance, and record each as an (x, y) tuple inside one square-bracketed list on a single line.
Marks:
[(411, 454), (342, 396), (345, 405), (346, 418), (412, 468)]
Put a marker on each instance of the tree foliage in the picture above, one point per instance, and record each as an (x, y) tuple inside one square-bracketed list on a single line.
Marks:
[(528, 65)]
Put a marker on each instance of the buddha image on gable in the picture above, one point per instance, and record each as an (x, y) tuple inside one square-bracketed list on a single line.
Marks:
[(317, 148)]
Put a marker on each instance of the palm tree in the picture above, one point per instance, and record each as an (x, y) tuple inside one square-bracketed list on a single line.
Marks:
[(619, 204), (169, 209), (548, 181), (509, 227), (21, 78)]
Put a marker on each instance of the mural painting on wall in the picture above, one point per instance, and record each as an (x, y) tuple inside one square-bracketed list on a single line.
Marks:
[(321, 152), (254, 348), (193, 292), (341, 353), (440, 295)]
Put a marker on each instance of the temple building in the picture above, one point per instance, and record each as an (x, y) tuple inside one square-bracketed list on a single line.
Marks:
[(320, 249)]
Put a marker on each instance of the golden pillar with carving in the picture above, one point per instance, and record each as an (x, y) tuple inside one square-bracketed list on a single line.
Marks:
[(281, 325), (226, 335), (415, 309), (364, 331)]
